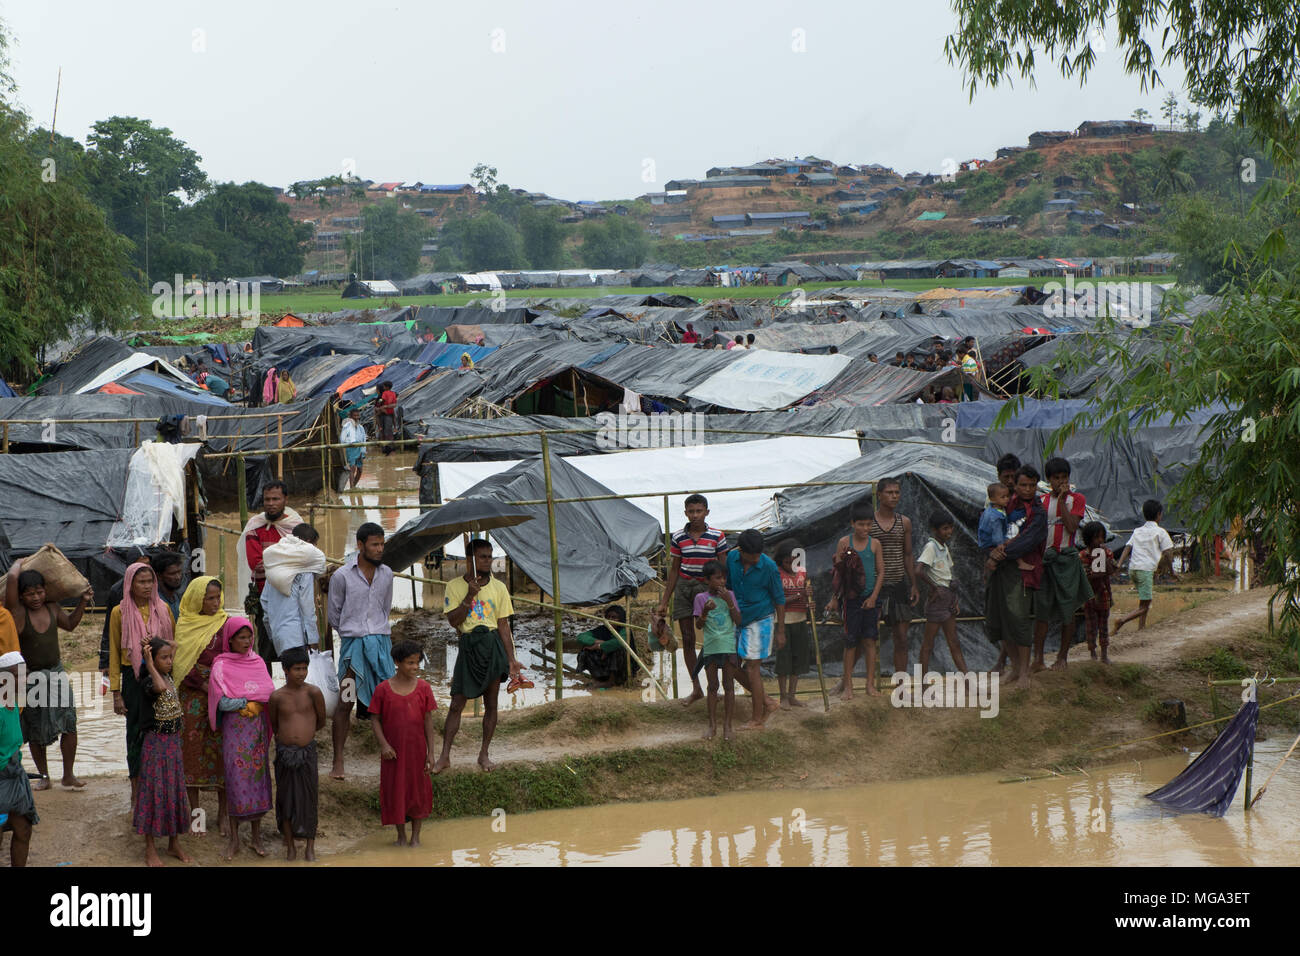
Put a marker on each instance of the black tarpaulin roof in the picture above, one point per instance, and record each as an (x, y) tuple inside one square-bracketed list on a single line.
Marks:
[(70, 499), (84, 365)]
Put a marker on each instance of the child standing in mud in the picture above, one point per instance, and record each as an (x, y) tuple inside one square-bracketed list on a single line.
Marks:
[(297, 712), (717, 616), (1099, 564), (401, 714)]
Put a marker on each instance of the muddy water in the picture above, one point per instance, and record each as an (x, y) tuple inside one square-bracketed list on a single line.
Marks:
[(1097, 820)]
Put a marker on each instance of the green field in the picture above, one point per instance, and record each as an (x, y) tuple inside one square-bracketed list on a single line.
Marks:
[(329, 300)]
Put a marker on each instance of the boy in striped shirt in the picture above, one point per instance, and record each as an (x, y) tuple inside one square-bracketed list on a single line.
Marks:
[(690, 550)]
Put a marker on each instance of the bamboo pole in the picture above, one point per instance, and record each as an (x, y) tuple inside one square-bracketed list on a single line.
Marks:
[(1250, 772), (241, 489), (279, 442), (668, 544), (555, 566), (324, 466), (6, 438), (817, 652), (137, 435)]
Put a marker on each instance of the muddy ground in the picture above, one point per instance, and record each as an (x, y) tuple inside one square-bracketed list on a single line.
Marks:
[(598, 749)]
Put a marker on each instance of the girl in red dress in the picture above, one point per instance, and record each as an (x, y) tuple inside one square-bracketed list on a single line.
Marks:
[(401, 716)]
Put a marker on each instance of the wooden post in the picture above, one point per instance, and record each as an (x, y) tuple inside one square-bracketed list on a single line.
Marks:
[(279, 443), (668, 543), (221, 561), (817, 651), (137, 434), (1250, 772), (241, 486), (555, 567), (324, 455), (6, 438)]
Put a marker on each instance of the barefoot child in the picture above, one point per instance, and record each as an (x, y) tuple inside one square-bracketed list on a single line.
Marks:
[(716, 617), (793, 659), (162, 807), (297, 713), (1099, 563), (238, 690), (402, 718), (1065, 584), (754, 579), (50, 714), (858, 561), (1146, 546), (935, 565)]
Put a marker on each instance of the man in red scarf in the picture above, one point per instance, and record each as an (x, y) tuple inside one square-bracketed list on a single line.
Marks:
[(277, 520)]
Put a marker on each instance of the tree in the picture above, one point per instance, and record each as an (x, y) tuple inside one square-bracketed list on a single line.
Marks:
[(63, 271), (1169, 109), (1208, 38), (614, 243), (389, 244), (1171, 177), (247, 230), (543, 237), (1242, 355), (136, 173), (1140, 115), (1192, 120), (484, 178), (489, 242)]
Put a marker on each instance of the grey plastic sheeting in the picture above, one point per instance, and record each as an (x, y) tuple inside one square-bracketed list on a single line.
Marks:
[(602, 544), (70, 499)]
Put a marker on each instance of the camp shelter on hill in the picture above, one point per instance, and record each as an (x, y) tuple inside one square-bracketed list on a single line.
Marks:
[(602, 544), (767, 380), (867, 383), (100, 508), (651, 473)]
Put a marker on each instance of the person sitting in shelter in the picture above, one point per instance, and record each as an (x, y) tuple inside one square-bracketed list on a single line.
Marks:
[(603, 655)]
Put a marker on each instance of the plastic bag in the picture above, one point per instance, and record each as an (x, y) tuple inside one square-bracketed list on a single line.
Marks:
[(322, 674)]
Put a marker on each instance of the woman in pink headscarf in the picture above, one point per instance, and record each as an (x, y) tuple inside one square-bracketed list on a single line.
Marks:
[(238, 688), (141, 616), (269, 388)]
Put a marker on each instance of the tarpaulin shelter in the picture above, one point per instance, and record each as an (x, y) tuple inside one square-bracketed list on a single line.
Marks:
[(653, 472), (602, 544), (88, 502)]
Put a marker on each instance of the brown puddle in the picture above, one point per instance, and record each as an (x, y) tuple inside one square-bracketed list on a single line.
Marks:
[(1096, 820)]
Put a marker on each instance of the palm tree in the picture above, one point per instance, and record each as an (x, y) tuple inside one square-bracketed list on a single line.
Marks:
[(1170, 175)]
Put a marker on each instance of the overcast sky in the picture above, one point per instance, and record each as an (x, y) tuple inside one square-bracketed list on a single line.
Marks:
[(580, 100)]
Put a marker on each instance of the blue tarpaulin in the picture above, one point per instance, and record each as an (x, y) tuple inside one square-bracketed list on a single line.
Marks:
[(154, 383), (1210, 782), (447, 354), (6, 391)]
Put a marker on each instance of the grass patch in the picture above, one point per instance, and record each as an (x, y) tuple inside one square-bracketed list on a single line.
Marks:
[(1221, 664)]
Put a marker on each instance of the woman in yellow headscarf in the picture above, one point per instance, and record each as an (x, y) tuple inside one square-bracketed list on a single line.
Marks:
[(198, 642)]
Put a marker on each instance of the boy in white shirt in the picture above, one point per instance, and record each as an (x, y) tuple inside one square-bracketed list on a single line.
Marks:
[(935, 565), (1146, 546)]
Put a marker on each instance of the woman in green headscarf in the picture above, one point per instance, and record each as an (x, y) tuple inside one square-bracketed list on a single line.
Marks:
[(198, 642)]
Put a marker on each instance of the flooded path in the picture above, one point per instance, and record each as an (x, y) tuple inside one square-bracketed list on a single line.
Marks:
[(1100, 819)]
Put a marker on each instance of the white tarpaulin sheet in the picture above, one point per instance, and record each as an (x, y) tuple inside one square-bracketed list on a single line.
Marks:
[(137, 360), (155, 495), (771, 461), (765, 381)]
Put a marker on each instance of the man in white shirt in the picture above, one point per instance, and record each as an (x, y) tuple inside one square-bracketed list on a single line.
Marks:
[(1146, 546)]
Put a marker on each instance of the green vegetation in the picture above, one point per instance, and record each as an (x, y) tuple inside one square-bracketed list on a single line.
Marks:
[(389, 245), (61, 266)]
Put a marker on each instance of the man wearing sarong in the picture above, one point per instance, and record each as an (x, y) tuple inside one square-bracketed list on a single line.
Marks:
[(50, 713), (277, 520), (17, 804), (479, 607), (1065, 581), (1010, 593), (361, 597)]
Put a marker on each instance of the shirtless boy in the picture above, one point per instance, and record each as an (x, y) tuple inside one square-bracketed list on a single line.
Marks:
[(297, 712)]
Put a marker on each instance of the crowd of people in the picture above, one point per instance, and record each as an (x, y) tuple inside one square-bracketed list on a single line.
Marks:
[(194, 682)]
